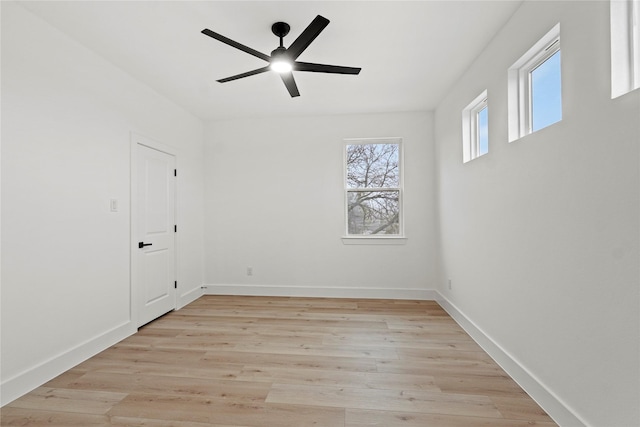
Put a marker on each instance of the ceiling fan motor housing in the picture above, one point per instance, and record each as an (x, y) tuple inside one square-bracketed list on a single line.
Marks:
[(278, 52)]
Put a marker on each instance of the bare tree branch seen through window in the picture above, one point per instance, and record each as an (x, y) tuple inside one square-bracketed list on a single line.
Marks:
[(373, 189)]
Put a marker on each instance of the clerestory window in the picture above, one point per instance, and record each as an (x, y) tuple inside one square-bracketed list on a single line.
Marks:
[(475, 128), (625, 46), (535, 87)]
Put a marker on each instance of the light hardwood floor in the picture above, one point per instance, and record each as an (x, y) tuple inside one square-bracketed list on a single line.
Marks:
[(274, 362)]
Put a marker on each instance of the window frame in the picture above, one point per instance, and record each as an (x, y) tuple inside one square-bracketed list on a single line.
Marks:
[(470, 127), (634, 36), (634, 17), (625, 46), (519, 79), (399, 238)]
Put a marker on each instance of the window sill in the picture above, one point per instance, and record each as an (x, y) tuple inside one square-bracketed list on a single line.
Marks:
[(378, 240)]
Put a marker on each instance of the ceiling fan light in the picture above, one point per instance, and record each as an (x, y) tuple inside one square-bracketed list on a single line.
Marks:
[(281, 66)]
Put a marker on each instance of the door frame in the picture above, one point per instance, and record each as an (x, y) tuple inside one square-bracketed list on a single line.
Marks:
[(136, 140)]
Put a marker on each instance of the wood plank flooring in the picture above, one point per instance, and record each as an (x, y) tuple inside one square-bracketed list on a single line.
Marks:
[(286, 362)]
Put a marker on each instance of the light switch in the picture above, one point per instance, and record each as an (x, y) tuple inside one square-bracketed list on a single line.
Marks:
[(113, 205)]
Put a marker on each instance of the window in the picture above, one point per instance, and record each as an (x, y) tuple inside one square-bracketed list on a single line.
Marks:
[(373, 187), (625, 46), (545, 92), (535, 87), (475, 128)]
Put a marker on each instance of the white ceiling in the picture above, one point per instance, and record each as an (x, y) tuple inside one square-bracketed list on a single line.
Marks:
[(411, 52)]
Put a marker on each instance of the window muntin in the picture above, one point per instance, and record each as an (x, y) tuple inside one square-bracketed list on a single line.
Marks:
[(475, 128), (535, 87), (373, 187)]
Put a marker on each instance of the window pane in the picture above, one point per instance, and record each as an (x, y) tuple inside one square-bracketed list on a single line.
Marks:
[(483, 131), (546, 99), (372, 166), (373, 212)]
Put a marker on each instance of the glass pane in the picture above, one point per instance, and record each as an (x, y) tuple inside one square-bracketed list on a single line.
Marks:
[(546, 90), (373, 212), (373, 166), (483, 131)]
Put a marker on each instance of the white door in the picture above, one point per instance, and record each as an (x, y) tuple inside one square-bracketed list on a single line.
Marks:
[(156, 261)]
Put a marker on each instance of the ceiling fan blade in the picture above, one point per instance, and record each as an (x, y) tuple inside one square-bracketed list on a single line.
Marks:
[(235, 44), (247, 74), (324, 68), (308, 35), (290, 83)]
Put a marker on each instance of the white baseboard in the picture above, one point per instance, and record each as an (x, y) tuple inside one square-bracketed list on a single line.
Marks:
[(321, 292), (552, 404), (24, 382), (189, 297)]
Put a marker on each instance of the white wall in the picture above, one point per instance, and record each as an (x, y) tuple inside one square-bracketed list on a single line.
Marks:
[(66, 120), (540, 237), (275, 202)]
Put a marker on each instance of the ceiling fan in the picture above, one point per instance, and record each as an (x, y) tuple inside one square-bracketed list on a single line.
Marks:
[(283, 60)]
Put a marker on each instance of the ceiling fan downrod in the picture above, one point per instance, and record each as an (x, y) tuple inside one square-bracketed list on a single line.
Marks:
[(280, 29)]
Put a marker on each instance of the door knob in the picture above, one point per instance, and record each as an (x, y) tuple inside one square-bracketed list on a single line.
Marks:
[(142, 244)]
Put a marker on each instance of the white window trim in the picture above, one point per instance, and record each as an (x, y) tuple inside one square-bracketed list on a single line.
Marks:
[(359, 239), (470, 130), (374, 240), (625, 46), (519, 83), (635, 40)]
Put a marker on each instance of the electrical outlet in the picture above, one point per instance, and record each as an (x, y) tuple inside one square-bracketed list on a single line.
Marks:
[(449, 284), (249, 271)]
